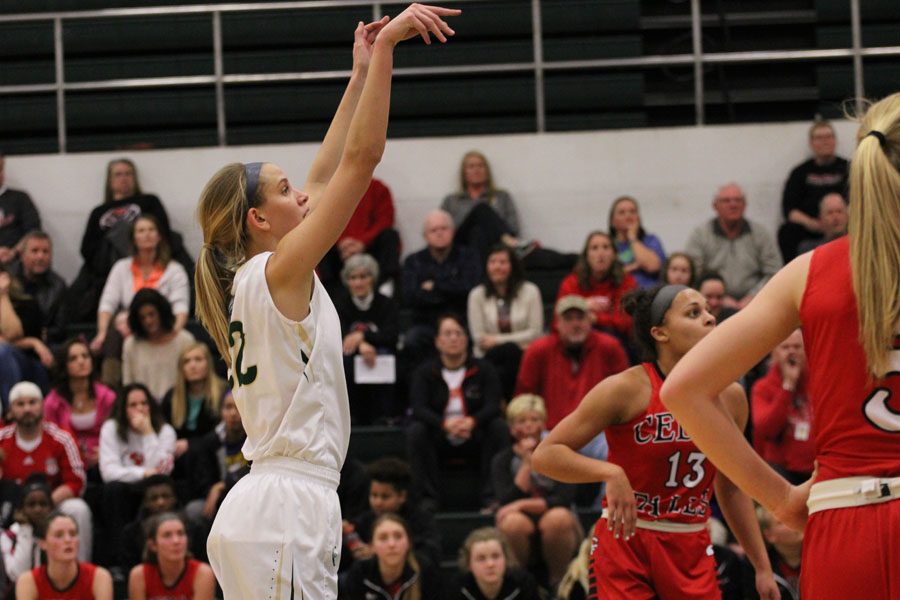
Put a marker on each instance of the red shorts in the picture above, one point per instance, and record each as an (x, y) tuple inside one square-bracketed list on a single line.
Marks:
[(652, 564), (852, 553)]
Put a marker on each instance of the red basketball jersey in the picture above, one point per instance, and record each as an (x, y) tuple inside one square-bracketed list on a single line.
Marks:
[(671, 478), (80, 589), (183, 588), (856, 421)]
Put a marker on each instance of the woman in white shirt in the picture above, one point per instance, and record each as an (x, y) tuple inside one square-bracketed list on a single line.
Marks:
[(149, 266), (135, 443), (505, 314)]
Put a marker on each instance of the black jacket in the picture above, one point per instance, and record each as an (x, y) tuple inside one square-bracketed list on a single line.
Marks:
[(18, 216), (428, 393), (518, 584), (425, 532), (379, 324), (363, 582), (453, 280)]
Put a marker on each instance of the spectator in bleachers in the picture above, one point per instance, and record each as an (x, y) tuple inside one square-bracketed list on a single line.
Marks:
[(742, 251), (151, 353), (808, 183), (712, 286), (436, 280), (33, 445), (369, 324), (18, 544), (107, 235), (563, 365), (505, 315), (535, 511), (394, 571), (455, 401), (575, 584), (216, 463), (134, 444), (78, 402), (369, 231), (34, 270), (23, 356), (168, 570), (489, 570), (679, 270), (159, 497), (61, 542), (782, 412), (600, 278), (390, 489), (18, 216), (640, 253), (785, 546), (483, 215), (191, 406), (149, 265), (834, 217)]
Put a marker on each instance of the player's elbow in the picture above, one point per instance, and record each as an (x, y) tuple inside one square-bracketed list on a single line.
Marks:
[(673, 393), (364, 156)]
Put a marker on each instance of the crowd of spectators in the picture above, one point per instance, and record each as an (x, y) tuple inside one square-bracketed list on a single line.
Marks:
[(135, 420)]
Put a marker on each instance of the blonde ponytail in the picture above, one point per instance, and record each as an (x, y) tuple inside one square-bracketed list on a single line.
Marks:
[(875, 231), (220, 212)]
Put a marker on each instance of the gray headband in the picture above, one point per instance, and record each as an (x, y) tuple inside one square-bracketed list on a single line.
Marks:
[(663, 301), (251, 172)]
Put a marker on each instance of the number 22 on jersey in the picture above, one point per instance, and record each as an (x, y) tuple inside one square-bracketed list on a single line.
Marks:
[(244, 377)]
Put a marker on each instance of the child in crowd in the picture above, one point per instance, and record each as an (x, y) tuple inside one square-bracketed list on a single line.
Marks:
[(489, 570), (18, 544), (394, 571), (389, 492), (159, 497), (535, 511)]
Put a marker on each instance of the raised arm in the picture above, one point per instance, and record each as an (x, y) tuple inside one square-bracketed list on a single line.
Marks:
[(332, 149), (722, 357), (300, 250)]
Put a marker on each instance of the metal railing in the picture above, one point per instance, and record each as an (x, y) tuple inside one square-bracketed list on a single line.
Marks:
[(697, 58)]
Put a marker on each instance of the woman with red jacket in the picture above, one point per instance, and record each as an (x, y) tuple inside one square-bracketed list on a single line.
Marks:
[(601, 279)]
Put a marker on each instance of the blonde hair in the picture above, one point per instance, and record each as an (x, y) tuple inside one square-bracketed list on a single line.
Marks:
[(485, 534), (577, 571), (525, 403), (221, 212), (489, 184), (875, 231), (213, 387)]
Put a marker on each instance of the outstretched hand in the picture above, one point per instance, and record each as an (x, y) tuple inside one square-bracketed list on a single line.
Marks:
[(364, 42), (420, 19)]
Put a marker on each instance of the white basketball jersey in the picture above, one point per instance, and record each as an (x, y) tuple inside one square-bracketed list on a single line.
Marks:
[(287, 376)]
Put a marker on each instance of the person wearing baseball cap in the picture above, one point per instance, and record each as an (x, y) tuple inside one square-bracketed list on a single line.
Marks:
[(564, 364)]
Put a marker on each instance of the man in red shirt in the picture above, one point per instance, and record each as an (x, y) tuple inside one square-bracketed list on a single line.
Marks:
[(31, 445), (564, 365), (782, 417)]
